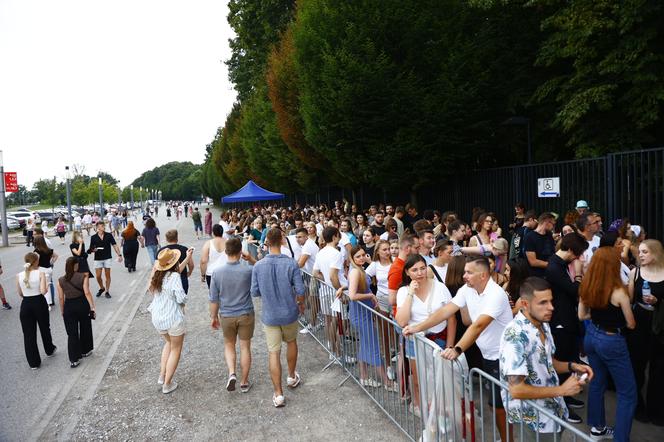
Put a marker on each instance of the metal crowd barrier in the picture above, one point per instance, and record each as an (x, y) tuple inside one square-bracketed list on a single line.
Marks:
[(429, 398), (483, 415)]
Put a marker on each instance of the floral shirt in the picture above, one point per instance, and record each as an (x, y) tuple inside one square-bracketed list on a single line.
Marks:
[(523, 354)]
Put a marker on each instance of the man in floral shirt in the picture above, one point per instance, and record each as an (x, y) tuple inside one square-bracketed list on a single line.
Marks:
[(528, 366)]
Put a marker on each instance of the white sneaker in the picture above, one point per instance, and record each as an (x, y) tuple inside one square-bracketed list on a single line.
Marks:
[(305, 330), (293, 382), (168, 388), (391, 375), (372, 383), (349, 360)]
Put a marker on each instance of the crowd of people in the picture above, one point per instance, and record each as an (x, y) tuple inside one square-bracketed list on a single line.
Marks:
[(547, 304)]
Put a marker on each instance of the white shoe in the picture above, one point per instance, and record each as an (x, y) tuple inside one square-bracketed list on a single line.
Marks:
[(391, 375), (305, 330), (168, 388), (295, 381), (349, 360)]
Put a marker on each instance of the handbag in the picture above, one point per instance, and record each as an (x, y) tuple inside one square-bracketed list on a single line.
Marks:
[(25, 232)]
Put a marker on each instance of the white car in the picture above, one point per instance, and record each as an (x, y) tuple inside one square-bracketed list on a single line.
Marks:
[(12, 223)]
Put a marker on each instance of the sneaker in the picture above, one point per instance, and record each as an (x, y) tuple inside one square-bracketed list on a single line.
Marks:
[(6, 306), (230, 384), (278, 401), (391, 375), (349, 360), (75, 364), (100, 292), (573, 403), (53, 352), (391, 388), (168, 388), (574, 418), (244, 388), (601, 434), (305, 330), (108, 295), (293, 382), (372, 383)]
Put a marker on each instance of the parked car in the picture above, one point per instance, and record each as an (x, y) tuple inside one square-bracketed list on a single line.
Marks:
[(48, 216), (12, 223)]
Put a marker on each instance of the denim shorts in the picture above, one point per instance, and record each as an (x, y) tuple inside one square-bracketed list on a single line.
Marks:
[(410, 346)]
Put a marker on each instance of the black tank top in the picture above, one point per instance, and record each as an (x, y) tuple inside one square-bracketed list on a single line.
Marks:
[(656, 288), (609, 317)]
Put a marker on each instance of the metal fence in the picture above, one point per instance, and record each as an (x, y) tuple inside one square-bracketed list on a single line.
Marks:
[(626, 184), (429, 398)]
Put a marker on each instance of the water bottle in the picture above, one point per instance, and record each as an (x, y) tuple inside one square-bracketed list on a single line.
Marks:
[(645, 292)]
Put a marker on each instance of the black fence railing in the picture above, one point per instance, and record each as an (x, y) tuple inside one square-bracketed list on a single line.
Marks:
[(625, 184)]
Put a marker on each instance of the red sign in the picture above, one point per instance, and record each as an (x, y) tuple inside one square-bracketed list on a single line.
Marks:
[(11, 182)]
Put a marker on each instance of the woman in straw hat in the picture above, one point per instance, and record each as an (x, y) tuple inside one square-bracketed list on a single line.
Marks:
[(167, 309)]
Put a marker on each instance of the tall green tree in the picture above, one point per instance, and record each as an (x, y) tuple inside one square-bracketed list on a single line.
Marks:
[(605, 61), (257, 25)]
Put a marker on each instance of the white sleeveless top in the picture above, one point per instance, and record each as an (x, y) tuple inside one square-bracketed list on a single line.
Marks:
[(215, 259), (33, 290)]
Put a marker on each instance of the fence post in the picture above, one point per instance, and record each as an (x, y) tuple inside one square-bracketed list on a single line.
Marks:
[(609, 171)]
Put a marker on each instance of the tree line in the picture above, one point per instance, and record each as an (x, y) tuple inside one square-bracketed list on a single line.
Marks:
[(407, 94), (175, 180)]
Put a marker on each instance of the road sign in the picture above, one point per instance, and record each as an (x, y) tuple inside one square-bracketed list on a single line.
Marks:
[(11, 182), (548, 187)]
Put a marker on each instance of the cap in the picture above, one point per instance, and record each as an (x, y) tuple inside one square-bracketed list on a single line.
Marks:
[(581, 204)]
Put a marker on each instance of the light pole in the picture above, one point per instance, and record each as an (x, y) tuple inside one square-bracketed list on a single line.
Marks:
[(3, 209), (131, 194), (140, 191), (101, 199), (68, 196)]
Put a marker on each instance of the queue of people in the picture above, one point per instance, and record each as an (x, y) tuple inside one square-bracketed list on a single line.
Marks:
[(589, 295)]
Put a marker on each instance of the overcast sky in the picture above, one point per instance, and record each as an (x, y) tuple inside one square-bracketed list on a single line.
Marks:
[(121, 86)]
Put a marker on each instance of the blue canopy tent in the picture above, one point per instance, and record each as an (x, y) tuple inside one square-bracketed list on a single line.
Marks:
[(251, 192)]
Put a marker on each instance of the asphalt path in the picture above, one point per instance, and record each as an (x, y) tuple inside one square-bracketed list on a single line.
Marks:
[(29, 398)]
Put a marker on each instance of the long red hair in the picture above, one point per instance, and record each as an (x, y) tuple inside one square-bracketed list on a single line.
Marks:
[(602, 278)]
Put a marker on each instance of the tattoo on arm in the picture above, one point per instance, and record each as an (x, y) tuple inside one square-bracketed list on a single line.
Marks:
[(515, 380)]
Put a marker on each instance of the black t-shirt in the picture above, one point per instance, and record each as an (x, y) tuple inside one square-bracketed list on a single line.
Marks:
[(102, 246), (544, 247), (74, 246), (183, 257), (378, 229), (45, 258)]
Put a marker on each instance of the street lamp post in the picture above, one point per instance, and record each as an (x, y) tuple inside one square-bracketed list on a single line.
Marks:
[(131, 194), (3, 210), (140, 191), (68, 196), (101, 198)]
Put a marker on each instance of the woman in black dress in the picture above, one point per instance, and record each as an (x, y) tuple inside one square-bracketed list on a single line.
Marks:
[(46, 259), (130, 246), (77, 248)]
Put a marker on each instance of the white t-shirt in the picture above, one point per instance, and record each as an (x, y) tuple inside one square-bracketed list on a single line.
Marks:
[(442, 271), (226, 228), (492, 302), (310, 249), (330, 258), (87, 218), (297, 250), (380, 272), (77, 220), (593, 245), (319, 229), (419, 310), (345, 239)]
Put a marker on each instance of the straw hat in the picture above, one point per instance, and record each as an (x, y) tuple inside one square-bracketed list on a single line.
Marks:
[(166, 259)]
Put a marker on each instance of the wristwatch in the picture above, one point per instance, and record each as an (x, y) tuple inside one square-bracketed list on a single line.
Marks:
[(458, 350)]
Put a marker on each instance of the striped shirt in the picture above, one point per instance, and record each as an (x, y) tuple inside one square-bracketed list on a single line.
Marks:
[(165, 306)]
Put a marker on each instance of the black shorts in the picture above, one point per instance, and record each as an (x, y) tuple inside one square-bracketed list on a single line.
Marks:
[(493, 368)]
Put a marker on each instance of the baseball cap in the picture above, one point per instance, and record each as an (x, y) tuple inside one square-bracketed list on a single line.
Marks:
[(581, 204)]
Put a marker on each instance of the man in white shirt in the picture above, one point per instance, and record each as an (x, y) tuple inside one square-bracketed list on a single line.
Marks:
[(588, 225), (329, 267), (490, 312), (308, 251)]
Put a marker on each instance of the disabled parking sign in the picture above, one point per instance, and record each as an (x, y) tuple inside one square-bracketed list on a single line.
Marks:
[(548, 187)]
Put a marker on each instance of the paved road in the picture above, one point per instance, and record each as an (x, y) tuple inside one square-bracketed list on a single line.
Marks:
[(29, 398)]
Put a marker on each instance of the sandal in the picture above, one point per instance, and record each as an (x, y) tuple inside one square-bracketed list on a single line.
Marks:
[(278, 401)]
